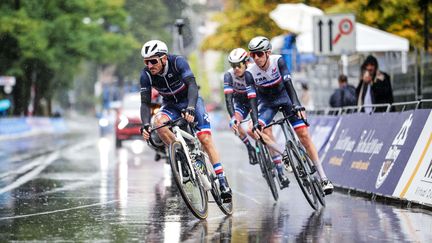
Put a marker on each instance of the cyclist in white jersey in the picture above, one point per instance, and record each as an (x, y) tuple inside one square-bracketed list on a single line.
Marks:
[(269, 81), (236, 99)]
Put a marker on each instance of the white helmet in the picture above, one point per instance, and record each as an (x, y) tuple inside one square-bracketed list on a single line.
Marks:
[(259, 43), (153, 48), (238, 55)]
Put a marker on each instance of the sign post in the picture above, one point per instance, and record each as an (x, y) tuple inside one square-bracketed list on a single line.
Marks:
[(334, 34)]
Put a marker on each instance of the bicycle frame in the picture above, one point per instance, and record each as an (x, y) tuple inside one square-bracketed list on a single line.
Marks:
[(182, 137)]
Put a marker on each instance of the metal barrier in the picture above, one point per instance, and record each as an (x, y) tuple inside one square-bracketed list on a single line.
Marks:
[(397, 107)]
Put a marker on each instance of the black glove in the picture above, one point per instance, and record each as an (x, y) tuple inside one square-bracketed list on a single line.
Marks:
[(256, 127), (190, 111), (145, 127), (298, 108)]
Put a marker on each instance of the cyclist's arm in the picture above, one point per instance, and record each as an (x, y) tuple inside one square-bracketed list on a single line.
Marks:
[(286, 76), (228, 91), (251, 93), (188, 77), (145, 98)]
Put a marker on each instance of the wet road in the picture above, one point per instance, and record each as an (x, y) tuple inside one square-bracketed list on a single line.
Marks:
[(80, 188)]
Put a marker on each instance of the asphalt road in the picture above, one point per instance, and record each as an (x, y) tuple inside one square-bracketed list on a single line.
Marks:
[(80, 188)]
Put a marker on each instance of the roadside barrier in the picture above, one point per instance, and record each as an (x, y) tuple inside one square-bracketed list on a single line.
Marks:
[(10, 127), (386, 154)]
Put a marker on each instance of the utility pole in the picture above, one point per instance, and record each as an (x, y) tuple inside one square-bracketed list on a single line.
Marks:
[(179, 24)]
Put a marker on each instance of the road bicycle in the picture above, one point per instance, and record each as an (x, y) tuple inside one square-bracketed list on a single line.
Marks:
[(296, 156), (192, 170)]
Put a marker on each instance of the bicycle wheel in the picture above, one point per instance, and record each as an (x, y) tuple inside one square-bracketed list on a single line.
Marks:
[(303, 178), (192, 193), (266, 161), (315, 180), (226, 208)]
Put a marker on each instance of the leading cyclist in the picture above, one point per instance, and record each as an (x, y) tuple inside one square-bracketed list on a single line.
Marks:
[(236, 99), (269, 80), (172, 77)]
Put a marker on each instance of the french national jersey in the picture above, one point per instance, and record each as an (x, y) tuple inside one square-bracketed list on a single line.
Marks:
[(267, 85)]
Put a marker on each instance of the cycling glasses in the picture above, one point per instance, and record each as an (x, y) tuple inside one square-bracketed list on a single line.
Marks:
[(152, 61), (237, 65), (257, 54)]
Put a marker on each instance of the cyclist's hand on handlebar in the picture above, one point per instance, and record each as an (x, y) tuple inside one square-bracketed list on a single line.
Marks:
[(300, 111), (145, 131), (189, 114), (257, 129), (234, 124)]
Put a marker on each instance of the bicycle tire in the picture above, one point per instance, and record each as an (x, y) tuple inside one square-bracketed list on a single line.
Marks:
[(303, 178), (315, 181), (266, 161), (226, 208), (177, 155)]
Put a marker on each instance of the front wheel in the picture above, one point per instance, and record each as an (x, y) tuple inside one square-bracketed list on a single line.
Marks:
[(301, 174), (190, 189), (266, 164)]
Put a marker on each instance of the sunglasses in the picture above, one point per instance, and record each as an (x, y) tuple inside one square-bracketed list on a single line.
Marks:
[(237, 65), (257, 54), (151, 61)]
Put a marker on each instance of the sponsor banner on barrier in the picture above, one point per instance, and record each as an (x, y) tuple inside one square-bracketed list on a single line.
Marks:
[(416, 181), (369, 152), (321, 127)]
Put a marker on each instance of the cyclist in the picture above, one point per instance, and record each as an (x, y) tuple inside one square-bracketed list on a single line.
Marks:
[(172, 77), (236, 99), (269, 77)]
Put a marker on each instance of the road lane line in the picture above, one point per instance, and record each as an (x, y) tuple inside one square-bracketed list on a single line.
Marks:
[(46, 162), (246, 196), (59, 210), (30, 175)]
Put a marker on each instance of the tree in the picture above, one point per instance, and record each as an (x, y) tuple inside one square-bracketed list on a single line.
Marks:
[(50, 38), (240, 22)]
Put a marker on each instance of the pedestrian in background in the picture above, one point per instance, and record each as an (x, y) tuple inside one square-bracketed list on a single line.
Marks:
[(345, 95), (374, 86)]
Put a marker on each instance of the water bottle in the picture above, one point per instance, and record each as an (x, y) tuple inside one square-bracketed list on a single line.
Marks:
[(202, 175)]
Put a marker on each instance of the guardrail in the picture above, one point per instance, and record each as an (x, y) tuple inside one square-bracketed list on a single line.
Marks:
[(419, 104)]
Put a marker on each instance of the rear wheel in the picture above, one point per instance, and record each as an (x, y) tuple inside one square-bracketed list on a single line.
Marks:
[(315, 180), (192, 193), (226, 208), (303, 178), (266, 164)]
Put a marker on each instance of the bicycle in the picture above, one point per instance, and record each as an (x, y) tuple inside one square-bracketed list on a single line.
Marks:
[(263, 157), (295, 155), (192, 170)]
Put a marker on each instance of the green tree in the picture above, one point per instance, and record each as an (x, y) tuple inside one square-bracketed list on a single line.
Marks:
[(48, 40)]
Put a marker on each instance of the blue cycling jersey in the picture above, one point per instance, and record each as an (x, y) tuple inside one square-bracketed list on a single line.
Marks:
[(171, 84)]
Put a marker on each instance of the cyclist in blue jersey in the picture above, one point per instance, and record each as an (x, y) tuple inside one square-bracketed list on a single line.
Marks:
[(269, 81), (172, 77), (236, 99)]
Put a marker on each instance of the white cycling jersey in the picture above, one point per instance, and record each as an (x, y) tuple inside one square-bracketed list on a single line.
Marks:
[(238, 84), (271, 77)]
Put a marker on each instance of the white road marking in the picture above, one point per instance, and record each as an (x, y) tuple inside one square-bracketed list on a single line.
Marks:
[(57, 211)]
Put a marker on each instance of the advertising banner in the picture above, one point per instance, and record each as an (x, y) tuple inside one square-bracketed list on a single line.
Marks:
[(370, 152), (415, 183), (321, 127)]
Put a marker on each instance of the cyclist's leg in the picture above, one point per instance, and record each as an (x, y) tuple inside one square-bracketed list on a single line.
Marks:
[(204, 135), (241, 112), (166, 113), (303, 133)]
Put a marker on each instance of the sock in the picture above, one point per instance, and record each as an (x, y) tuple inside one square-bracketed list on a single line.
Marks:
[(320, 170), (218, 169), (245, 140), (277, 159)]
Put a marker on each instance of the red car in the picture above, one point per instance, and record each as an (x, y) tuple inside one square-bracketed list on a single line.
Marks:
[(128, 122)]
